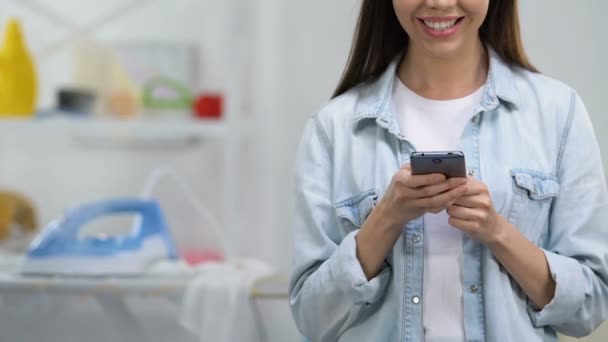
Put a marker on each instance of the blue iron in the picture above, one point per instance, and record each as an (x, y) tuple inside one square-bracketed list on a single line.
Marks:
[(59, 249)]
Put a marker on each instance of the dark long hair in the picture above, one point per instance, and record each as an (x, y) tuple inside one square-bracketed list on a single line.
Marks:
[(379, 37)]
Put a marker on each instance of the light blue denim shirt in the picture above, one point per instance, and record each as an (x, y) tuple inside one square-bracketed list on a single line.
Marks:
[(531, 142)]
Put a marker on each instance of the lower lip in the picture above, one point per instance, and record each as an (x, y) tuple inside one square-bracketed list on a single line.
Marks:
[(441, 34)]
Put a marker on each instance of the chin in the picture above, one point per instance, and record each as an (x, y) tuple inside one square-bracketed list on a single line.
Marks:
[(444, 50)]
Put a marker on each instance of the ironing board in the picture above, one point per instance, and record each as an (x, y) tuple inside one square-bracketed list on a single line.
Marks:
[(110, 292), (143, 285)]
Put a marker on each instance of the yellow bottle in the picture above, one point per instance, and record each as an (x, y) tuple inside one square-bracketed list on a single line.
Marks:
[(17, 76)]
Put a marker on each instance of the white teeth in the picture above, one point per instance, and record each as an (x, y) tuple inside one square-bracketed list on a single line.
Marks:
[(440, 25)]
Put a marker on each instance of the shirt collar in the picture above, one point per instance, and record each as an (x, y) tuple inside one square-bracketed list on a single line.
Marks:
[(375, 98)]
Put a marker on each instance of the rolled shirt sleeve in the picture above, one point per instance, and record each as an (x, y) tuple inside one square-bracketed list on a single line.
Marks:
[(328, 290), (346, 267), (577, 244)]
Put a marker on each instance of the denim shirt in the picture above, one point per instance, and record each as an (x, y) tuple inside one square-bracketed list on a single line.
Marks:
[(531, 142)]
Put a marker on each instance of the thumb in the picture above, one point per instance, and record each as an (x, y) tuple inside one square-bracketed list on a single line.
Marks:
[(406, 166)]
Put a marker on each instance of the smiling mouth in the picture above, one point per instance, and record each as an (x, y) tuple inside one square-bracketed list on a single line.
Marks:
[(440, 24)]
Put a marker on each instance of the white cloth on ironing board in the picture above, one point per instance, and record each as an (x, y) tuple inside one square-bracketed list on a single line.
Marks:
[(218, 306)]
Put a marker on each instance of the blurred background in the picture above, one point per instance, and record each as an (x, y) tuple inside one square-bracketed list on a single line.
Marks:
[(198, 104)]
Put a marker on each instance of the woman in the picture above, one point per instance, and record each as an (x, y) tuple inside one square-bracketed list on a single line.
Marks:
[(514, 252)]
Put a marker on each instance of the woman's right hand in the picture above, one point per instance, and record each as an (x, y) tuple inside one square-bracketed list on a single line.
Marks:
[(410, 196), (406, 198)]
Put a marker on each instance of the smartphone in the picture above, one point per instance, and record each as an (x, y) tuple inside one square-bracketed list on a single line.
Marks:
[(449, 163)]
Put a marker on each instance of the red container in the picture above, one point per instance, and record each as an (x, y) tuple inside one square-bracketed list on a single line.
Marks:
[(208, 106)]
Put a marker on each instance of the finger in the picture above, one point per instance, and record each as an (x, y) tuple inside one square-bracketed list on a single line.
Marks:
[(462, 213), (463, 225), (475, 187), (432, 190), (469, 201), (437, 210), (406, 166), (417, 181), (442, 199), (442, 208)]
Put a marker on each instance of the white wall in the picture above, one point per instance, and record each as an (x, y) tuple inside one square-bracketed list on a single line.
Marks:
[(315, 40)]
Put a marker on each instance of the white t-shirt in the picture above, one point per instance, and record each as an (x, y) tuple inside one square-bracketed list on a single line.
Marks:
[(437, 125)]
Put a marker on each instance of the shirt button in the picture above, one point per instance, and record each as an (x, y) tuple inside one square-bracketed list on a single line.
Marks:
[(471, 172), (415, 299), (416, 238), (473, 289)]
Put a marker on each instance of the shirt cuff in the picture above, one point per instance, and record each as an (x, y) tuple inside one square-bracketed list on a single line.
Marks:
[(347, 269), (569, 291)]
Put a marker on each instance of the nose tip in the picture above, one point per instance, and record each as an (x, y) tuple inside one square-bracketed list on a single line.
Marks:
[(441, 4)]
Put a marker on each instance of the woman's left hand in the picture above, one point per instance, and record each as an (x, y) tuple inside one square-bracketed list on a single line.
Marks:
[(474, 214)]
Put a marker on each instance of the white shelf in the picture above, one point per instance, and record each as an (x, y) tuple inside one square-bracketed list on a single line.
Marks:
[(207, 127), (129, 133)]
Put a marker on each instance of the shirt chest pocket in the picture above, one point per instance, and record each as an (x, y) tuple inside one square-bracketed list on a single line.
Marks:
[(352, 212), (533, 193)]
